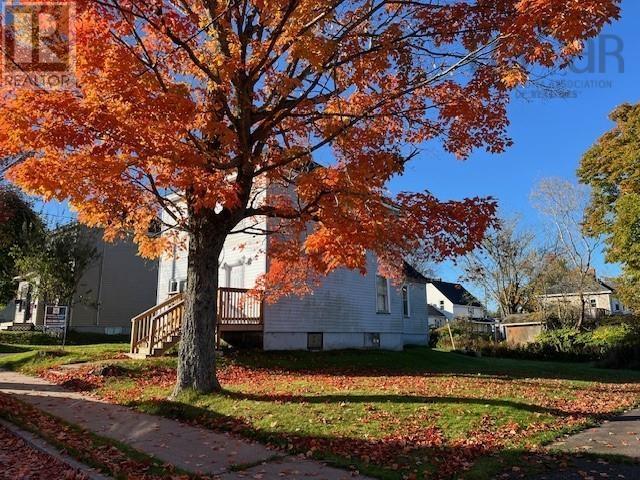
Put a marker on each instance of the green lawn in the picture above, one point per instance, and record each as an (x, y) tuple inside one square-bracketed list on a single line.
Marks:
[(392, 415)]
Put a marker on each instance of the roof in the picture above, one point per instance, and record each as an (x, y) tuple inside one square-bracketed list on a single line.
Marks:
[(593, 285), (411, 273), (434, 312), (456, 293)]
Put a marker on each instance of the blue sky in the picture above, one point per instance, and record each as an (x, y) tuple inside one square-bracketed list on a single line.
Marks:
[(550, 135)]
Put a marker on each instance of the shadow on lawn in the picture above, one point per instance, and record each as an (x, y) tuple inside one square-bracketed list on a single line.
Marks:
[(421, 449), (391, 457), (391, 398), (425, 361), (424, 452)]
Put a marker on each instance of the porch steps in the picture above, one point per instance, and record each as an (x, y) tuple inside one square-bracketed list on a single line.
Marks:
[(156, 330)]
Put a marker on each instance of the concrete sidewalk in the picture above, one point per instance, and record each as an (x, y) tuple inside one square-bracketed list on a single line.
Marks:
[(193, 449)]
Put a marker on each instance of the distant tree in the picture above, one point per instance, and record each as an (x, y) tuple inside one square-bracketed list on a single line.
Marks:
[(564, 204), (555, 276), (611, 167), (505, 265), (19, 226), (58, 262)]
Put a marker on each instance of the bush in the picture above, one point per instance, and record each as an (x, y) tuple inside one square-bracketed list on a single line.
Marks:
[(73, 338), (27, 338), (434, 337), (464, 337), (611, 346)]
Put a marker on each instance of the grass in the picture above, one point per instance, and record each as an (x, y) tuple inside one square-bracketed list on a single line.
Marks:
[(32, 359), (392, 415)]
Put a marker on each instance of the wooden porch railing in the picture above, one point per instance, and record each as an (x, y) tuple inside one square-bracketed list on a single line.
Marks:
[(237, 310), (237, 307)]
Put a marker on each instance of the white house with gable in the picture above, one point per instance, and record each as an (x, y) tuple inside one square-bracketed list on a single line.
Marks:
[(454, 301), (347, 309)]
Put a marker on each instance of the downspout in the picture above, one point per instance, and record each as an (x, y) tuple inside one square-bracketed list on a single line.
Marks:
[(100, 273)]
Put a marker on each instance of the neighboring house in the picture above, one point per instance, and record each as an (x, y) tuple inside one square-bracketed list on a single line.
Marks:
[(437, 319), (114, 288), (7, 313), (454, 301), (599, 295)]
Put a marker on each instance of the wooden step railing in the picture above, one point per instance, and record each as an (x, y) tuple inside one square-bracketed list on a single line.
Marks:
[(154, 325), (237, 310)]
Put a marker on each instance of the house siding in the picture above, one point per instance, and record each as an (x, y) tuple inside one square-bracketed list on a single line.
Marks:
[(242, 250), (343, 309), (118, 286), (451, 310), (604, 300), (434, 297), (464, 311)]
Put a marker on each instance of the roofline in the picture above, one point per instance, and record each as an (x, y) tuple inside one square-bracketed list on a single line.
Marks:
[(573, 294)]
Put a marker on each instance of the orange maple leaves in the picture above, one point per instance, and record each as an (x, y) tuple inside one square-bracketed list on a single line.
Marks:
[(215, 98)]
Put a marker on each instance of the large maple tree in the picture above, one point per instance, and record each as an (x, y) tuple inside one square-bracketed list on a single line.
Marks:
[(203, 103)]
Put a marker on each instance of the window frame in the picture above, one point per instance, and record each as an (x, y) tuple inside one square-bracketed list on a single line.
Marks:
[(405, 289), (387, 309)]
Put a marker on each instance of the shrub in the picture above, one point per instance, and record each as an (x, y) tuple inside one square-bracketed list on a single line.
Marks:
[(612, 346), (434, 337), (27, 338), (464, 337), (73, 338)]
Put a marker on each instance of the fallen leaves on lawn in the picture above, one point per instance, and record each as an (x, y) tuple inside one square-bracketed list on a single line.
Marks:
[(406, 444)]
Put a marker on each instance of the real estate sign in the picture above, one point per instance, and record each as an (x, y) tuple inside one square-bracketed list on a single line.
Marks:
[(55, 318)]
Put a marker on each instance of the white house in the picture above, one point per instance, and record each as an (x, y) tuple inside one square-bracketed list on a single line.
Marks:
[(437, 319), (347, 309), (599, 295), (454, 301)]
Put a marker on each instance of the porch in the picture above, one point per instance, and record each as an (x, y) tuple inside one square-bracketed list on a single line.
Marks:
[(156, 330)]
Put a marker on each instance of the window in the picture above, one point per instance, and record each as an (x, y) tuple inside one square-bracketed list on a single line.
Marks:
[(177, 286), (441, 304), (382, 294), (617, 307), (314, 341), (593, 303), (372, 340), (405, 301)]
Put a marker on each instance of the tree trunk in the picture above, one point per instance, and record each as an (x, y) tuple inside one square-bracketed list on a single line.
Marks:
[(197, 361), (583, 308)]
